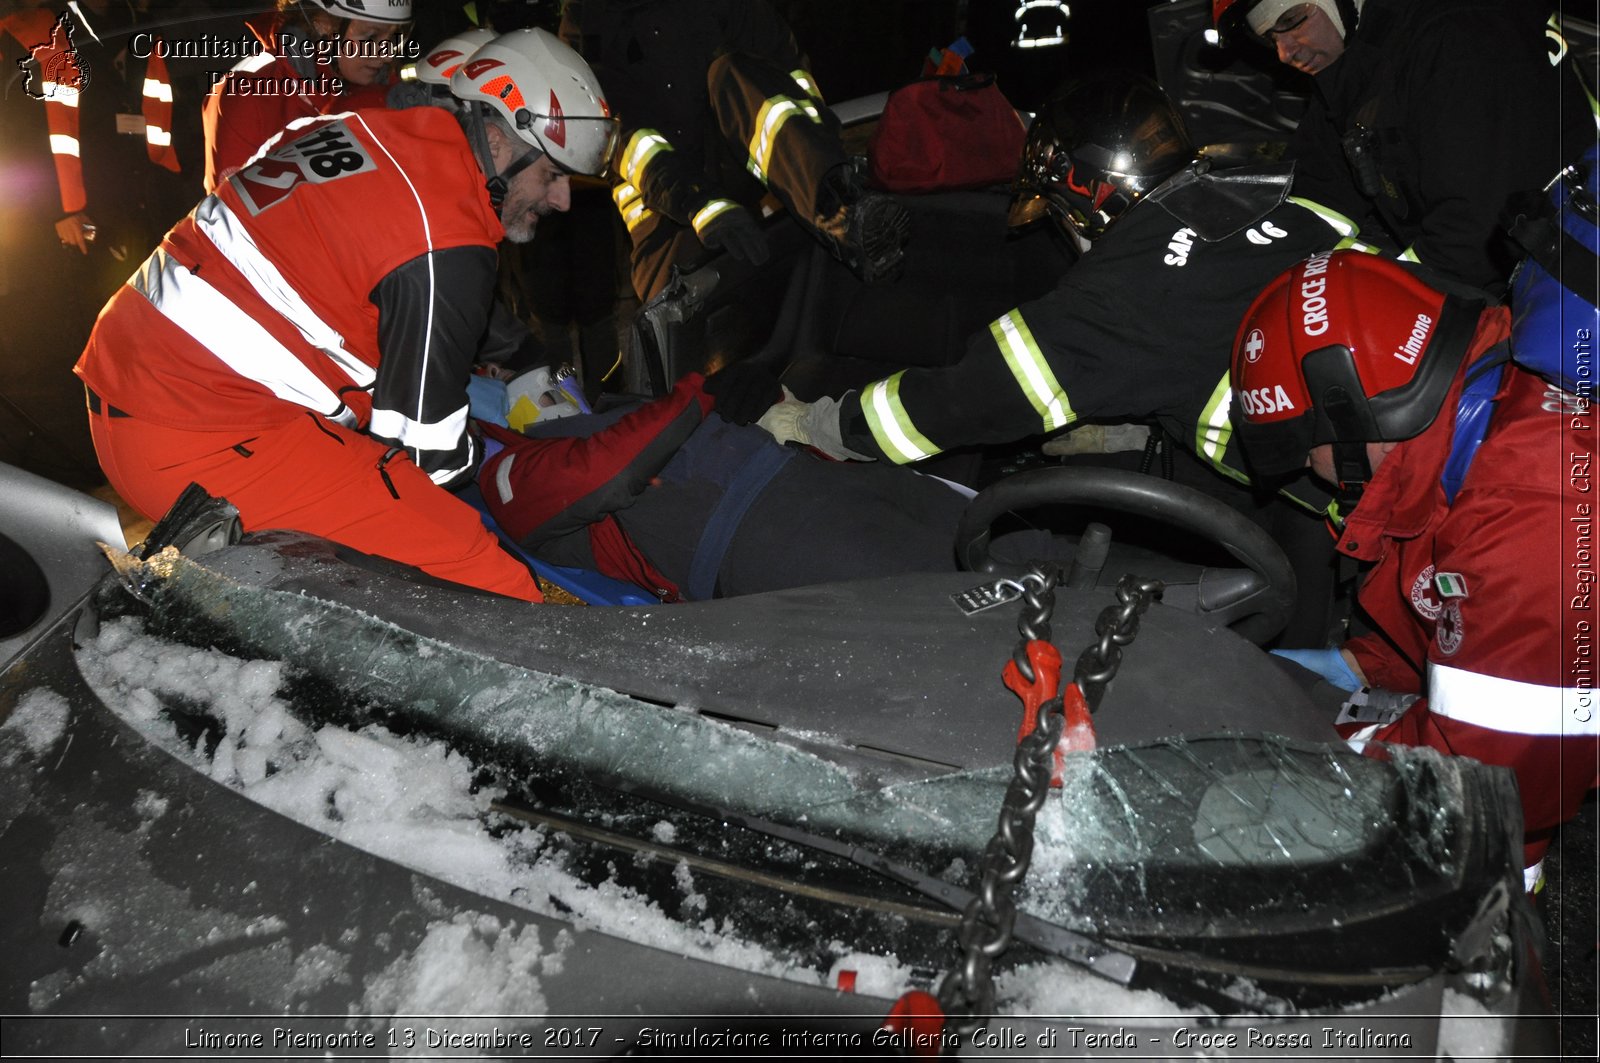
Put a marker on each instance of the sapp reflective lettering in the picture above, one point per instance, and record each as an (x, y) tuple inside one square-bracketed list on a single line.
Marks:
[(1178, 248)]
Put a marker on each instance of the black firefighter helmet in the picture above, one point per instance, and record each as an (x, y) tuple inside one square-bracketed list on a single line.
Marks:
[(1097, 146)]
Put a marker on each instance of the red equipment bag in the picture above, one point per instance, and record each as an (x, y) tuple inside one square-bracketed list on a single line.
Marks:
[(944, 133)]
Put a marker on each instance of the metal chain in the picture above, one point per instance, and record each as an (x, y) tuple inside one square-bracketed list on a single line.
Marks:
[(966, 993)]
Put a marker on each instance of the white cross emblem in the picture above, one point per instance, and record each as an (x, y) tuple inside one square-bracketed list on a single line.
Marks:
[(1254, 344)]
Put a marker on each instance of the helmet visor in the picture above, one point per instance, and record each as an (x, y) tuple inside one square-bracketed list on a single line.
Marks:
[(583, 145)]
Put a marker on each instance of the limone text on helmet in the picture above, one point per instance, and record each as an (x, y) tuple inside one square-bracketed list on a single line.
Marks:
[(1260, 402), (1411, 349), (1313, 303)]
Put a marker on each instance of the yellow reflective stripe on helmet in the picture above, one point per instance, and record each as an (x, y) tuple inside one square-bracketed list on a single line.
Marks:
[(643, 146), (630, 204), (891, 426), (1215, 430), (807, 83), (705, 214), (1027, 363), (774, 112)]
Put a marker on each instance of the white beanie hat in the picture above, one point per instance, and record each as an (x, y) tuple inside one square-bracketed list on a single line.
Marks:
[(1267, 12)]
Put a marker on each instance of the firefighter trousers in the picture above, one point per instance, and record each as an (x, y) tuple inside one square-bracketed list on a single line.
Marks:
[(769, 129), (313, 476)]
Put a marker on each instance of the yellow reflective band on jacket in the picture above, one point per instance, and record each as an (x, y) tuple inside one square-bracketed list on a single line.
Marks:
[(891, 426), (774, 112), (1339, 223), (643, 146), (1409, 255), (1215, 430), (705, 214), (807, 84), (630, 204), (1027, 363)]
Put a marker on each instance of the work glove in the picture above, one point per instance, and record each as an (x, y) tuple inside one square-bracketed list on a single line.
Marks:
[(1330, 664), (811, 424), (744, 391), (737, 233)]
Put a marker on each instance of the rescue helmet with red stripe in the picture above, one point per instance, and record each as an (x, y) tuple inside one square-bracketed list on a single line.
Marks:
[(1344, 348), (1097, 146), (440, 61), (546, 94), (391, 11)]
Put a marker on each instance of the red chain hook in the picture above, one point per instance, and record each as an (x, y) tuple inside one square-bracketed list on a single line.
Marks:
[(1078, 733)]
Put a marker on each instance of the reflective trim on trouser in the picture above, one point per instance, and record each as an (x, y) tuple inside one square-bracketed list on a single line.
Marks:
[(312, 475), (753, 99), (769, 123), (807, 83)]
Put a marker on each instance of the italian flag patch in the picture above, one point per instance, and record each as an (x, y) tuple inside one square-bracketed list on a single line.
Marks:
[(1450, 585)]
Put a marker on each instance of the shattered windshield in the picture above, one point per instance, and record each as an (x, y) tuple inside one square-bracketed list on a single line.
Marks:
[(526, 786)]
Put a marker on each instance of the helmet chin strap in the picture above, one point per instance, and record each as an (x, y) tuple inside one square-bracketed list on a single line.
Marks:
[(1352, 428), (497, 183), (1353, 469)]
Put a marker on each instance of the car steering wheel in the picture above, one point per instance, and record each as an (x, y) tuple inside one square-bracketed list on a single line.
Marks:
[(1254, 600)]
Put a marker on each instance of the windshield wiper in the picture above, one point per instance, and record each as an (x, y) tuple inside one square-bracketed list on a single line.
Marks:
[(1180, 975), (1096, 957)]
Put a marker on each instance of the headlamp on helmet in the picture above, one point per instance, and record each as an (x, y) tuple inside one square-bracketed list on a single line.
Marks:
[(1097, 147)]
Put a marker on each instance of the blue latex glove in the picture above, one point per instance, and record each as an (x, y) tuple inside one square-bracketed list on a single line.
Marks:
[(1329, 664), (487, 399)]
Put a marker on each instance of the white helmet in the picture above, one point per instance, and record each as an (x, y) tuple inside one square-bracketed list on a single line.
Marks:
[(536, 396), (440, 61), (368, 10), (546, 92)]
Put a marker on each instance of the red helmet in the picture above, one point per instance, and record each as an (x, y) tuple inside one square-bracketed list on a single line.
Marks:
[(1344, 348)]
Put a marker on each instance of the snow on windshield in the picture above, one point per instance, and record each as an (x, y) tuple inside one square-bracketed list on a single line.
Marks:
[(413, 801), (408, 799), (1131, 830)]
